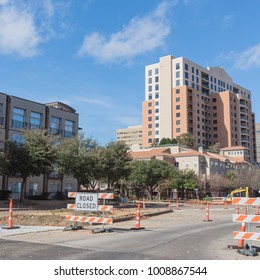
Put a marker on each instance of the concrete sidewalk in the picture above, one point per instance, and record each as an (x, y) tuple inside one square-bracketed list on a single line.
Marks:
[(25, 230)]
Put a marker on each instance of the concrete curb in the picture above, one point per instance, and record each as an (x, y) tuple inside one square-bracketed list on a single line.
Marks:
[(127, 218)]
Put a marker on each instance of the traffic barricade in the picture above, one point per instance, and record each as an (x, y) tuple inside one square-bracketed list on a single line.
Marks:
[(89, 202), (247, 220)]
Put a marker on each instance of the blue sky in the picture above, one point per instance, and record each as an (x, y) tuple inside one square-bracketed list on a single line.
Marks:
[(91, 54)]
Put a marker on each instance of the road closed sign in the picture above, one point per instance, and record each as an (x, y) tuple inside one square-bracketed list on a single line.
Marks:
[(86, 202)]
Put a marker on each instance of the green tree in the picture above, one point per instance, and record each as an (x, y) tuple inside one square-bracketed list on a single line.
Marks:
[(185, 180), (33, 157), (214, 148), (185, 139), (150, 174), (114, 159), (78, 157)]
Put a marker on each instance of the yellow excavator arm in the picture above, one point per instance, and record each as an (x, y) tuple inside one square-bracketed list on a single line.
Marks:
[(240, 190)]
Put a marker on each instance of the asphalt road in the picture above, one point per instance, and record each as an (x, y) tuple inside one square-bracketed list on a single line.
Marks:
[(181, 235)]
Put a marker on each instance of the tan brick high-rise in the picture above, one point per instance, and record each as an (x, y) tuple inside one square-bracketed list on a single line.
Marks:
[(182, 96)]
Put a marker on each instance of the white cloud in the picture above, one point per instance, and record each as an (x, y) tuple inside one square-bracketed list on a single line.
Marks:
[(246, 59), (4, 2), (138, 36), (18, 33), (103, 102), (227, 20)]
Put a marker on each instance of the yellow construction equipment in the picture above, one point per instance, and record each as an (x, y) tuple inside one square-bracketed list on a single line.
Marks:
[(240, 190)]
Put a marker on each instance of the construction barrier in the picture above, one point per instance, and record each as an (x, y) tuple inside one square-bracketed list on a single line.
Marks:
[(207, 213), (137, 218), (246, 220), (10, 218), (88, 202)]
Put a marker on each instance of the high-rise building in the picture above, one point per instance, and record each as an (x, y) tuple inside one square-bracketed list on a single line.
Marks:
[(131, 135), (257, 138), (184, 97)]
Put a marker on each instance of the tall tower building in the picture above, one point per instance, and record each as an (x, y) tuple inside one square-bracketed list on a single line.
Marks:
[(184, 97)]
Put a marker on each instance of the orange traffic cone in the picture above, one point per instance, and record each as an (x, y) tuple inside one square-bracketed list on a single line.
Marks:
[(178, 204), (137, 219), (245, 210), (10, 220), (207, 214), (241, 241), (237, 209)]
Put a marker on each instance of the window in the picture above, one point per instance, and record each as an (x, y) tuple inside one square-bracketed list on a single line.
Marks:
[(35, 120), (177, 66), (177, 74), (69, 128), (215, 136), (150, 104), (214, 107), (150, 72), (150, 119), (157, 125), (150, 80), (186, 66), (150, 140), (215, 115), (157, 79), (192, 69), (157, 110), (150, 133), (150, 88), (178, 99), (186, 83), (150, 97), (157, 103), (150, 111), (177, 91), (18, 120), (178, 122), (157, 95), (197, 72), (214, 100), (55, 125), (157, 132), (178, 115), (157, 118), (178, 130), (156, 71), (177, 107), (150, 125), (177, 83), (186, 75), (157, 87)]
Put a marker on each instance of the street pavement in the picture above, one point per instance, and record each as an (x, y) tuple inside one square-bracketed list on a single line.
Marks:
[(181, 235)]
